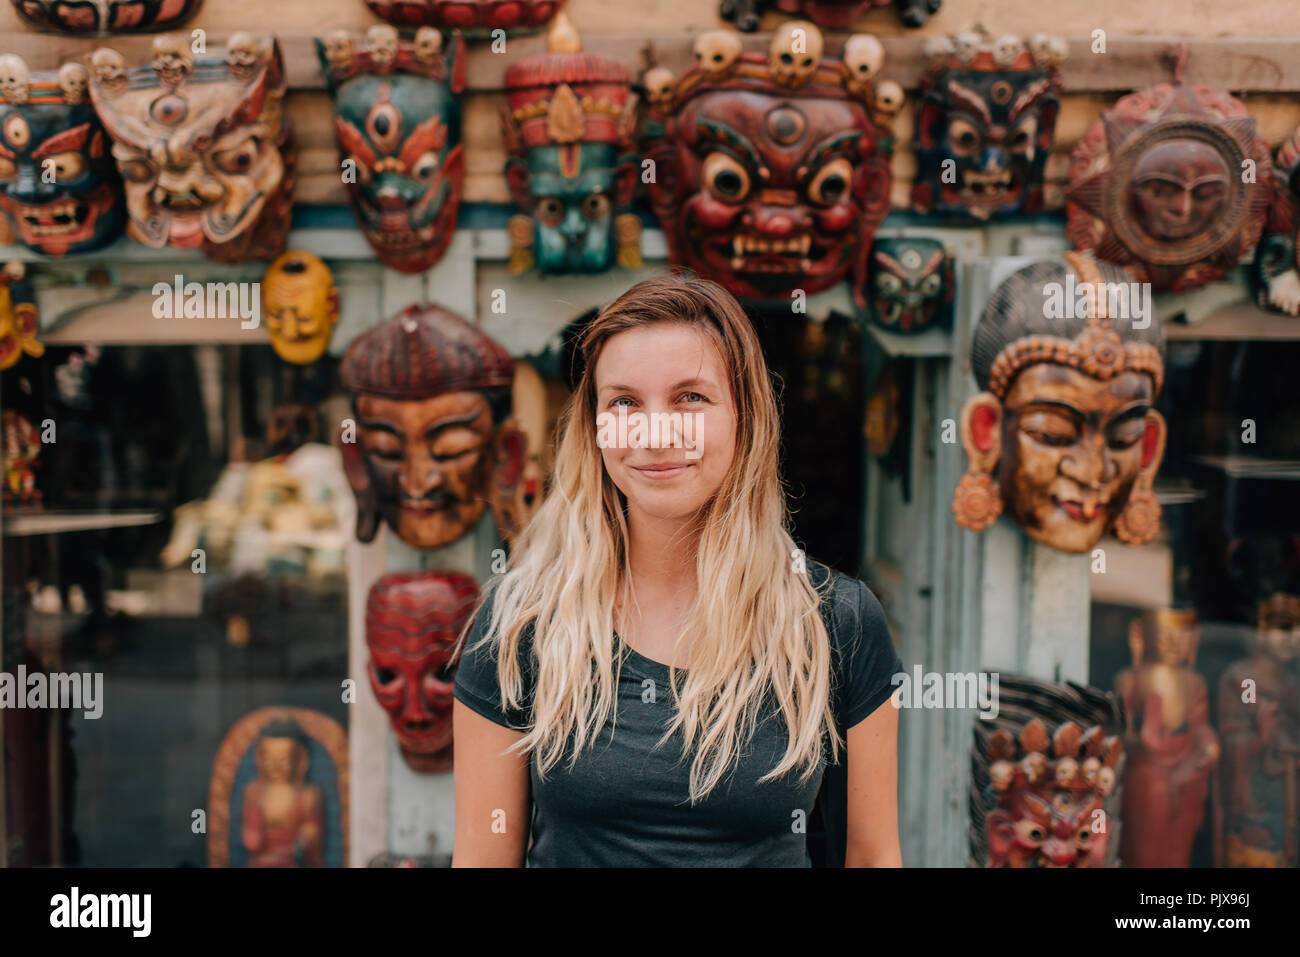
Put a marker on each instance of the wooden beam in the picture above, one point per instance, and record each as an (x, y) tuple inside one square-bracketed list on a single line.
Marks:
[(1265, 64)]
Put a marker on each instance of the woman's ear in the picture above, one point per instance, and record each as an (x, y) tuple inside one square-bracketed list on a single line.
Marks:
[(981, 431)]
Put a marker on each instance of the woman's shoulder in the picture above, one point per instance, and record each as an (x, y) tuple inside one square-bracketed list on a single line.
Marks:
[(849, 607)]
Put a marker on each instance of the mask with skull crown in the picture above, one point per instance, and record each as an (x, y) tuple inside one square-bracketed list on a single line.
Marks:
[(203, 145), (773, 169), (398, 123), (569, 123), (985, 124), (58, 185), (101, 17)]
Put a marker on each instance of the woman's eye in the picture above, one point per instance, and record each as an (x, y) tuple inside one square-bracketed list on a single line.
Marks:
[(694, 397)]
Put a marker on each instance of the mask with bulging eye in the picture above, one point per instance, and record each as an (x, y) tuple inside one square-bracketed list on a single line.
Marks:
[(203, 145), (910, 285), (413, 620), (773, 169), (106, 16), (569, 124), (302, 306), (985, 125), (398, 126), (58, 186)]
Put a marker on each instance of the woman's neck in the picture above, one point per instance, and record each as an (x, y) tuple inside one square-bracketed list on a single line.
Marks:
[(661, 552)]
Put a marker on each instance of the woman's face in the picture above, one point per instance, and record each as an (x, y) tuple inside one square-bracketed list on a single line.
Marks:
[(665, 418)]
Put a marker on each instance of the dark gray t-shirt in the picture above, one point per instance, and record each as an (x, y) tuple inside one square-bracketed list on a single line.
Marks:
[(626, 803)]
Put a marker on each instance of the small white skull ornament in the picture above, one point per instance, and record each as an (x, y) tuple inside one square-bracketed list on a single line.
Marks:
[(795, 53)]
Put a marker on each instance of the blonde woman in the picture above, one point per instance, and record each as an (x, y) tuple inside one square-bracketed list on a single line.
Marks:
[(659, 678)]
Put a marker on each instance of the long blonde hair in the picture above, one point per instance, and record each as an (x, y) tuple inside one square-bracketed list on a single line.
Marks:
[(754, 627)]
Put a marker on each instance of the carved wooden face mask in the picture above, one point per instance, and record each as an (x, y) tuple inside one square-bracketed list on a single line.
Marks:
[(911, 285), (1066, 436), (476, 15), (569, 123), (1048, 803), (397, 121), (434, 444), (203, 145), (302, 306), (58, 185), (985, 125), (1157, 185), (412, 622), (837, 14), (100, 17), (773, 170)]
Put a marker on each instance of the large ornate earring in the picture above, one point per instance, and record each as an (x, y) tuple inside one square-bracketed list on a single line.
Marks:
[(1140, 520), (976, 503)]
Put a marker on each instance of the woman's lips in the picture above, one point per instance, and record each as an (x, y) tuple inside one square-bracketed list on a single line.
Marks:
[(663, 471)]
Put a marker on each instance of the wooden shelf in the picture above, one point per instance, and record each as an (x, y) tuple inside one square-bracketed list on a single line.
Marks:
[(1238, 321), (57, 523)]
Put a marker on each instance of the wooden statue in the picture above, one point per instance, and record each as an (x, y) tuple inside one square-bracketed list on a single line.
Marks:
[(1065, 435), (279, 792), (1171, 747), (19, 321), (835, 14), (397, 122), (1044, 798), (59, 188), (1173, 183), (100, 17), (435, 442), (985, 125), (569, 123), (476, 16), (412, 622), (22, 451), (772, 170), (1277, 264), (301, 305), (203, 144), (1259, 723)]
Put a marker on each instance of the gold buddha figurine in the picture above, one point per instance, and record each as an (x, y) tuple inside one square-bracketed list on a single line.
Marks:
[(283, 818), (1171, 747)]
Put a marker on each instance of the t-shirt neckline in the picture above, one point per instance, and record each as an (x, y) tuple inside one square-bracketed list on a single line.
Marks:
[(649, 663)]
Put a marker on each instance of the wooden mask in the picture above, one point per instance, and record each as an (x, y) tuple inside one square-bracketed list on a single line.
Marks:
[(102, 17), (435, 444), (911, 285), (569, 123), (58, 186), (412, 622), (1158, 185), (302, 306), (475, 15), (397, 121), (836, 14), (226, 183), (772, 170), (1277, 268), (1065, 435), (985, 125)]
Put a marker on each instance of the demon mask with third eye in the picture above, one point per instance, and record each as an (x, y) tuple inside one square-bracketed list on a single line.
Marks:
[(91, 17), (985, 125), (412, 622), (569, 123), (58, 184), (1157, 185), (301, 305), (397, 121), (911, 285), (1065, 434), (203, 144), (772, 171), (435, 443)]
